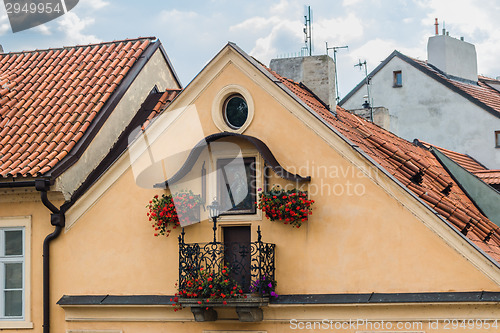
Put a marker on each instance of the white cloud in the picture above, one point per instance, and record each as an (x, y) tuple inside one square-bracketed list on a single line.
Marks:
[(255, 24), (4, 23), (95, 4), (283, 37), (280, 7), (43, 29), (72, 26), (177, 15), (339, 30), (4, 28)]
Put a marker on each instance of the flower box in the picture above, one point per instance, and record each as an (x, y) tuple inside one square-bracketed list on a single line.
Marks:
[(169, 211), (291, 207)]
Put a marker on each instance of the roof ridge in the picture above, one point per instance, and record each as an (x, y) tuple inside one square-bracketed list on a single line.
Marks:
[(78, 46)]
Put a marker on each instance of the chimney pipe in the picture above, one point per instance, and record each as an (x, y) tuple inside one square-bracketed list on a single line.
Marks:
[(437, 27)]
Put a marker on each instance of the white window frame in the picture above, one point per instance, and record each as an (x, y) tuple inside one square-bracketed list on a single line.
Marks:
[(17, 223), (219, 102)]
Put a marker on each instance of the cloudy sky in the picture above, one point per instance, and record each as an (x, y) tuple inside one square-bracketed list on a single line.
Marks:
[(193, 31)]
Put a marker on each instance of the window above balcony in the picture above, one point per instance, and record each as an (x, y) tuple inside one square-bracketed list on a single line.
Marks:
[(237, 185), (230, 168)]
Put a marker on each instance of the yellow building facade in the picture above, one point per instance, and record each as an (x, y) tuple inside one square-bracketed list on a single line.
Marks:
[(370, 258)]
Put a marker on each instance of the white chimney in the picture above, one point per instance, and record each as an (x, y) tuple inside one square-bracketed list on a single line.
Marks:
[(316, 72), (453, 56)]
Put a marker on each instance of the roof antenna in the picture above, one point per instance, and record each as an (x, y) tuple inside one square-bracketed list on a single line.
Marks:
[(368, 102), (335, 48), (307, 33)]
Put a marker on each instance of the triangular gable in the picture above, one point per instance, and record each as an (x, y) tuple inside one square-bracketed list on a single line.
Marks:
[(345, 133)]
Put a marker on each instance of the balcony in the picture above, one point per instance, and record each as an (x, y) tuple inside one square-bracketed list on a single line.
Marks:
[(247, 262)]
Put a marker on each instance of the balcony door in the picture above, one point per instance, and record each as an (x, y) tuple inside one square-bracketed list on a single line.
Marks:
[(237, 254)]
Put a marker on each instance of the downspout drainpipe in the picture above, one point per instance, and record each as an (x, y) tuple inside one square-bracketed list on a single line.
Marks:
[(57, 219)]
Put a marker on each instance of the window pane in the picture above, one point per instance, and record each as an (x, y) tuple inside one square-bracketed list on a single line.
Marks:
[(13, 276), (13, 242), (14, 303), (237, 185), (236, 112)]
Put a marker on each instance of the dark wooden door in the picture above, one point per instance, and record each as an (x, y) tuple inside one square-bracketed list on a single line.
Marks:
[(237, 254)]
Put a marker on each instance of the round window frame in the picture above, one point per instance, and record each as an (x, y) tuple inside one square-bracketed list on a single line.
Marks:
[(219, 104)]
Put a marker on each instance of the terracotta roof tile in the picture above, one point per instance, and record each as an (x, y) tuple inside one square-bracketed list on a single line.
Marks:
[(48, 98), (491, 177), (414, 166), (464, 160), (160, 105)]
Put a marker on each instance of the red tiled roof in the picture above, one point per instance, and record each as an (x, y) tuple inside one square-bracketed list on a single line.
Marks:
[(164, 100), (49, 98), (415, 167), (491, 177), (464, 160)]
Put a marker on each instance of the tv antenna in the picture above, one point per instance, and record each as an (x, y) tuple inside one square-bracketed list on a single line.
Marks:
[(308, 48), (335, 48), (368, 102)]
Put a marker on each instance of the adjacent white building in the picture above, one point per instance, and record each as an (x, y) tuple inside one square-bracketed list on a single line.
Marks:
[(442, 100)]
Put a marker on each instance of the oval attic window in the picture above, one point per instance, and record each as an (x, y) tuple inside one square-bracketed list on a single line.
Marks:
[(235, 111)]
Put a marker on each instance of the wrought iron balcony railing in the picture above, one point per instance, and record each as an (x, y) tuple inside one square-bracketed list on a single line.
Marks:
[(247, 262)]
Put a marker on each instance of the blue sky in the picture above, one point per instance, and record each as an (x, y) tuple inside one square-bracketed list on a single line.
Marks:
[(192, 32)]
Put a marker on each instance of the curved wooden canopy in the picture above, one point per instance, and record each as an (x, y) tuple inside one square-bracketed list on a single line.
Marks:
[(261, 147)]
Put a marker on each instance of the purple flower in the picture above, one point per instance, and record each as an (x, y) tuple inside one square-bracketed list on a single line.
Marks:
[(270, 285), (274, 294)]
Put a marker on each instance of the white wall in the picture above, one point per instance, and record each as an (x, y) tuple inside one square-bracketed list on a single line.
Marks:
[(426, 110)]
